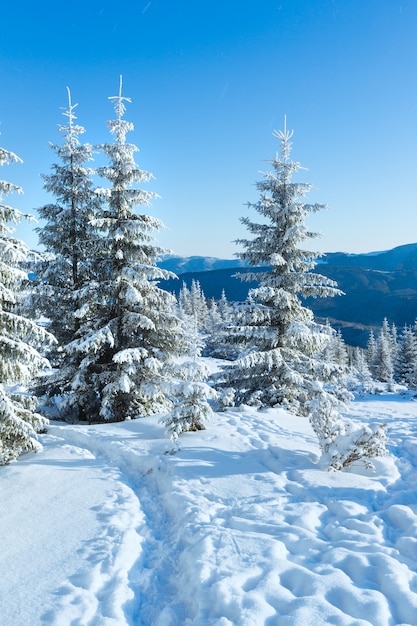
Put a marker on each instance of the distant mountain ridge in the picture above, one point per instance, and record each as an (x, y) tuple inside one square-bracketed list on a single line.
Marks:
[(181, 265), (377, 285), (399, 258)]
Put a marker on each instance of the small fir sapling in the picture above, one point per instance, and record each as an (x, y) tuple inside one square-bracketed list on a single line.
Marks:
[(191, 393), (343, 442), (360, 372)]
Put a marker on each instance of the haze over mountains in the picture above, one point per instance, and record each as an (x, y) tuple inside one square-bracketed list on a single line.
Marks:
[(376, 285)]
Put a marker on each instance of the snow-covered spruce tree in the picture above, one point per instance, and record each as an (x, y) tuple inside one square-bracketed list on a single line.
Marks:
[(337, 351), (190, 391), (385, 355), (214, 327), (192, 303), (278, 333), (406, 363), (394, 344), (360, 372), (20, 337), (66, 235), (129, 331), (371, 353), (283, 364), (68, 238), (220, 316)]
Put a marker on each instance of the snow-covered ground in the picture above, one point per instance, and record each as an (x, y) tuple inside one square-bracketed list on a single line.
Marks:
[(113, 525)]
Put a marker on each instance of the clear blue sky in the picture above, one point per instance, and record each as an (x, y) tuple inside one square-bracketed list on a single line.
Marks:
[(210, 80)]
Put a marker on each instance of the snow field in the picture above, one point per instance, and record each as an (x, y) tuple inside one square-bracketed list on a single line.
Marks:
[(237, 525), (68, 539), (268, 550)]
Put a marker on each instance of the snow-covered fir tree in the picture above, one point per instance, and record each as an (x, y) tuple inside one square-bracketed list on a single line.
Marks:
[(360, 373), (383, 368), (192, 302), (129, 330), (337, 351), (278, 333), (68, 239), (191, 393), (283, 364), (371, 353), (20, 337), (406, 362), (220, 316), (214, 319), (394, 343), (225, 308), (214, 347), (66, 235)]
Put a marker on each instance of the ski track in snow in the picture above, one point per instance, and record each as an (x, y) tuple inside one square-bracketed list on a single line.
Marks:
[(239, 526)]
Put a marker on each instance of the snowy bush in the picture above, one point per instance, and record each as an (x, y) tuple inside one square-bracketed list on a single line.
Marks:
[(226, 397), (191, 394), (343, 442)]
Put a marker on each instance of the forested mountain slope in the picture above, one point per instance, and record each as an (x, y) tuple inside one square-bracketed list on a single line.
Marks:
[(377, 285)]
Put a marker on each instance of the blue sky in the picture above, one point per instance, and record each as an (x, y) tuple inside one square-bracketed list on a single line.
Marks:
[(210, 80)]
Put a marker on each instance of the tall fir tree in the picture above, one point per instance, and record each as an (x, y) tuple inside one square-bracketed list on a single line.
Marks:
[(68, 239), (278, 333), (67, 234), (129, 331), (20, 337), (283, 364)]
